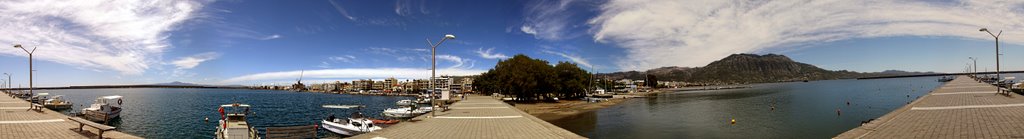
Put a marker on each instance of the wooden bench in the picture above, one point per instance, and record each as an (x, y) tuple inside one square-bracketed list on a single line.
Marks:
[(37, 107), (1005, 92), (292, 132), (83, 122)]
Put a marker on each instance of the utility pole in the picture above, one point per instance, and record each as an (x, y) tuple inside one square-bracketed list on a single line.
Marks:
[(30, 87)]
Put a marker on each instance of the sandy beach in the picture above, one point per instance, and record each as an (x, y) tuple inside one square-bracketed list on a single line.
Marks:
[(565, 108)]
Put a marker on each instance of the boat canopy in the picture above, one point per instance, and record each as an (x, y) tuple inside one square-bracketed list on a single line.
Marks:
[(235, 105), (43, 94), (114, 97)]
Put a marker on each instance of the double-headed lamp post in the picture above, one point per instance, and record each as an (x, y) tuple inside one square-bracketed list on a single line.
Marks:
[(433, 65), (997, 48), (29, 65)]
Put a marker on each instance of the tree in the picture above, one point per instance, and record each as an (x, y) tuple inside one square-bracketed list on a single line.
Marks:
[(529, 79)]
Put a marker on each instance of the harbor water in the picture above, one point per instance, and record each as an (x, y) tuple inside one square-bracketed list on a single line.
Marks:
[(816, 109), (181, 113)]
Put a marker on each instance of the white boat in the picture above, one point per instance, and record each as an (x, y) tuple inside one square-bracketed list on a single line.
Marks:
[(38, 98), (57, 103), (423, 100), (233, 124), (405, 102), (355, 124), (104, 108), (406, 112)]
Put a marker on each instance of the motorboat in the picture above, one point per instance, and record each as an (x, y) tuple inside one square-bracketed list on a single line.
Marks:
[(423, 100), (233, 123), (945, 79), (57, 103), (38, 98), (405, 102), (355, 124), (406, 112), (104, 108)]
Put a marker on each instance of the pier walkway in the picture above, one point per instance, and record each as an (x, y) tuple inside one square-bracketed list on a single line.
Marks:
[(962, 108), (18, 122), (475, 117)]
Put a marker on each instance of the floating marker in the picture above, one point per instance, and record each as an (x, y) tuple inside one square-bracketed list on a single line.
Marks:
[(839, 112), (733, 121)]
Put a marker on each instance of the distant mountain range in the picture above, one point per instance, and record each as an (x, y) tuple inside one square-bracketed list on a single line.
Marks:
[(749, 68)]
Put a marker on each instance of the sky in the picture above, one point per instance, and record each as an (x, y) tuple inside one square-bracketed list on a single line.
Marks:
[(255, 42)]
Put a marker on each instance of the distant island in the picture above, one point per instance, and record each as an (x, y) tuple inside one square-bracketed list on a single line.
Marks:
[(750, 68), (158, 85)]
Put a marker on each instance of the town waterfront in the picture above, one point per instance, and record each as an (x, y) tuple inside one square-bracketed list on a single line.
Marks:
[(180, 113), (802, 110)]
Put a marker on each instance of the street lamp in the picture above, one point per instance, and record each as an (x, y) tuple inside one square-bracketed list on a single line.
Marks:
[(9, 80), (29, 65), (433, 65), (997, 48), (975, 66)]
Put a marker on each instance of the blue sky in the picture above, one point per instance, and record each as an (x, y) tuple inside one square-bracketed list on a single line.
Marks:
[(259, 42)]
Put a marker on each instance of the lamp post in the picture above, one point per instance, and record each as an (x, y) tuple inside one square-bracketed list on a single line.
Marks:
[(997, 48), (975, 74), (9, 80), (433, 65), (29, 65)]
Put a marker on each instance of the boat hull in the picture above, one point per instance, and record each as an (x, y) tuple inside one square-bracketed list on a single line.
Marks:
[(99, 116)]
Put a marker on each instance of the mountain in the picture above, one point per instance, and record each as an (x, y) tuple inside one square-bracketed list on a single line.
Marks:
[(748, 68)]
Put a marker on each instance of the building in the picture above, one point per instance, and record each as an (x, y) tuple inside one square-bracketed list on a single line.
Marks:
[(467, 85), (362, 84), (443, 86)]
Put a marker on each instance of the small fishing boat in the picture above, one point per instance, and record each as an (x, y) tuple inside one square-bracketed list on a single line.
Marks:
[(104, 108), (57, 103), (405, 102), (233, 123), (423, 100), (38, 98), (406, 112), (355, 124)]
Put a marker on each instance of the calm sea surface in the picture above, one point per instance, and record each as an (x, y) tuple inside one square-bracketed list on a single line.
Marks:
[(802, 110), (179, 113)]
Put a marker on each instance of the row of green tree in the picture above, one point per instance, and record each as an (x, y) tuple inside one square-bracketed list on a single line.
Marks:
[(529, 79)]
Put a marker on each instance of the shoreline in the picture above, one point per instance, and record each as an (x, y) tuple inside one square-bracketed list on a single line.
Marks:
[(555, 111)]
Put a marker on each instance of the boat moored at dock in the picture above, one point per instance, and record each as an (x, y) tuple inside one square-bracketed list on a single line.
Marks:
[(104, 109), (233, 123), (355, 124), (57, 103)]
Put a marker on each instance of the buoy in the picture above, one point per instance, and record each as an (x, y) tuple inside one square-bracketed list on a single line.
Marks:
[(207, 119), (773, 107), (847, 102), (734, 121), (839, 111)]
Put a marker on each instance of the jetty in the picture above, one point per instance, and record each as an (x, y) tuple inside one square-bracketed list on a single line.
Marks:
[(961, 108), (19, 121), (472, 118)]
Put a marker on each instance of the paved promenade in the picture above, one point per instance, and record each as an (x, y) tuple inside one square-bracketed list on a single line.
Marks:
[(17, 122), (476, 117), (962, 108)]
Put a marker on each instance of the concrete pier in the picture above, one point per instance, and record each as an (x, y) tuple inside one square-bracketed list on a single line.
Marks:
[(18, 122), (476, 117), (962, 108)]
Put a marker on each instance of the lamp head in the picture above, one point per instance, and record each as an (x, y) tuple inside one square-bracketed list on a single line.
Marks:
[(983, 29), (17, 46), (449, 36)]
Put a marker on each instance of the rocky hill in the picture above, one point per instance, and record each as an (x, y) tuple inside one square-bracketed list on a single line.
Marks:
[(748, 68)]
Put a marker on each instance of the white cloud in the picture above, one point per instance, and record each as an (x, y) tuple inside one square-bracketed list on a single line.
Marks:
[(341, 10), (344, 58), (489, 54), (574, 58), (693, 33), (94, 35), (275, 36), (457, 62), (190, 62), (547, 19), (355, 73), (324, 64)]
